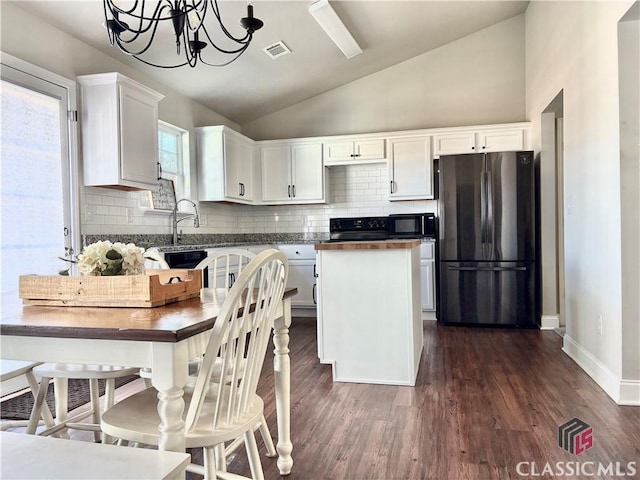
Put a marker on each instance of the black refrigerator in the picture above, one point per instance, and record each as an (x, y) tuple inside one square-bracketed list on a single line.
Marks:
[(487, 240)]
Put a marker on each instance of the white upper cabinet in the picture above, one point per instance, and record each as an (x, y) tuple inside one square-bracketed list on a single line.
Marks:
[(226, 165), (480, 140), (353, 152), (119, 132), (410, 168), (292, 173)]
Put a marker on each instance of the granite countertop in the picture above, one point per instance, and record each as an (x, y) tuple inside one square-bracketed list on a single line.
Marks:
[(162, 243), (204, 246)]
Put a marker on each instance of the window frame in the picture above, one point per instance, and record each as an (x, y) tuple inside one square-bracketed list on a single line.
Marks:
[(181, 177), (28, 76)]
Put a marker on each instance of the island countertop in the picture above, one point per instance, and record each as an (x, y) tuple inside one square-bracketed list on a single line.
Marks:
[(369, 245)]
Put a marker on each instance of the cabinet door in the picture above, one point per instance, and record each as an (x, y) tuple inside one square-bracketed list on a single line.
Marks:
[(307, 172), (410, 168), (371, 149), (501, 140), (428, 284), (238, 163), (339, 152), (453, 143), (301, 276), (276, 173), (138, 136)]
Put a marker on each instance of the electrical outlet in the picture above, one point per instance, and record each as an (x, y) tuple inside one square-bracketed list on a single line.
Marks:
[(599, 325), (129, 215)]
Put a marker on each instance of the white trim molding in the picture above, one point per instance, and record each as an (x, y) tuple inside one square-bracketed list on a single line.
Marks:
[(623, 392), (549, 322)]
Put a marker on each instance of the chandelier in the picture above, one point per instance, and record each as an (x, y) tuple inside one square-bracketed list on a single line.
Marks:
[(133, 29)]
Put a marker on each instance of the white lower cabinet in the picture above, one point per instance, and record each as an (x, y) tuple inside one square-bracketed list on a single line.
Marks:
[(428, 272), (302, 274)]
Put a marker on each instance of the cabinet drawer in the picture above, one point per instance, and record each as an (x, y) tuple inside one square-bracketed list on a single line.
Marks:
[(427, 250), (298, 251)]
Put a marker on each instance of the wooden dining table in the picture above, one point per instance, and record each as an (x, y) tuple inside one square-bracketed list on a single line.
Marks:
[(162, 339)]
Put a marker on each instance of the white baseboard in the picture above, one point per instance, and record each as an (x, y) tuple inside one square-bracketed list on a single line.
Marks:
[(623, 392), (549, 322), (303, 312), (630, 392)]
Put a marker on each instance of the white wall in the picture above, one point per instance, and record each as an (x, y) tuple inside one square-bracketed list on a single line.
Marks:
[(572, 46), (476, 80)]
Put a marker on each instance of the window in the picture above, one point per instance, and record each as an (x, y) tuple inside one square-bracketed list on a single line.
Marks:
[(38, 167), (173, 148)]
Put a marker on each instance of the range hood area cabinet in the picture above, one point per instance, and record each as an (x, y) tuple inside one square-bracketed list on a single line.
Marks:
[(480, 141), (410, 168), (119, 132), (354, 151), (226, 166), (292, 173)]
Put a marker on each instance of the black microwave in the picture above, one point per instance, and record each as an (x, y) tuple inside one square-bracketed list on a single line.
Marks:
[(412, 225)]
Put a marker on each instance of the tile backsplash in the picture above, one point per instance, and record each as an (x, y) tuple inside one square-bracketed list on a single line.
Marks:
[(353, 191)]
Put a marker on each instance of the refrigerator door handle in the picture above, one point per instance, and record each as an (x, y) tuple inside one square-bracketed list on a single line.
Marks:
[(489, 209), (487, 269), (483, 207)]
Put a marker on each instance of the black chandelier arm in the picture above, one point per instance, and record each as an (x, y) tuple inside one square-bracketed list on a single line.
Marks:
[(160, 66), (123, 43), (244, 43), (216, 12), (142, 27), (225, 63)]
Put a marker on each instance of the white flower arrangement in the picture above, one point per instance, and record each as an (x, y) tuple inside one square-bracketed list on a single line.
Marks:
[(106, 258)]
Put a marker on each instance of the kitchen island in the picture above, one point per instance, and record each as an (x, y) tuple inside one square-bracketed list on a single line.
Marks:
[(369, 310)]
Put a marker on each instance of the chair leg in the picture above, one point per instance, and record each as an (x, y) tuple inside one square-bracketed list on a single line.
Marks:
[(36, 412), (221, 457), (94, 393), (46, 413), (109, 394), (253, 455), (266, 438), (61, 395), (209, 463)]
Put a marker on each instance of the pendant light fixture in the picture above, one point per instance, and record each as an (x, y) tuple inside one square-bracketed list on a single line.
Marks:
[(133, 29)]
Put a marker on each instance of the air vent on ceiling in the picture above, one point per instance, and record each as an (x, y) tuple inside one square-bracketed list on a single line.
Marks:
[(276, 50)]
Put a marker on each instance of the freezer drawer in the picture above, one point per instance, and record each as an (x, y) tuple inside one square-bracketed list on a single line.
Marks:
[(488, 293)]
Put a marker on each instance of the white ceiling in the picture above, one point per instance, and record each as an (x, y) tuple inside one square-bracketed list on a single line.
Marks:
[(388, 32)]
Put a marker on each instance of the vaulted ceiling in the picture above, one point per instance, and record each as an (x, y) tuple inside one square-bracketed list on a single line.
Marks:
[(388, 32)]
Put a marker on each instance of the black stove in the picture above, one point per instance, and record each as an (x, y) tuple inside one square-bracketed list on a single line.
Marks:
[(358, 228)]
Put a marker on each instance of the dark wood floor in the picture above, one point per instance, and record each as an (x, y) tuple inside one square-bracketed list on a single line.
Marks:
[(485, 400)]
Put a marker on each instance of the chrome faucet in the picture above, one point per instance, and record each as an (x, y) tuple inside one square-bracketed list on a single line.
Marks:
[(195, 216)]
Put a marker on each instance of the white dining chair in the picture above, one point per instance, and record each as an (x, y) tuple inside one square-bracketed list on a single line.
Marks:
[(157, 257), (15, 377), (60, 373), (219, 412), (223, 267)]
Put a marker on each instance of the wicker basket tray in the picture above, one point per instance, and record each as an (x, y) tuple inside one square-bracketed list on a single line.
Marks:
[(153, 289)]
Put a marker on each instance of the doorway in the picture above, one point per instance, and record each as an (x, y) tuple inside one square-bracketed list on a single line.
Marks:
[(552, 211)]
